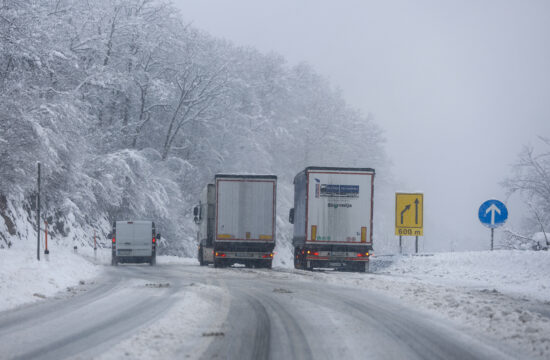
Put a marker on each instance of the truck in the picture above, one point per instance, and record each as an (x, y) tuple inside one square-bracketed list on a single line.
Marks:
[(333, 218), (134, 242), (236, 219)]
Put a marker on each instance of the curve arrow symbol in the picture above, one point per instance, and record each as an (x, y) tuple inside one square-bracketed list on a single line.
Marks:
[(492, 209), (407, 207)]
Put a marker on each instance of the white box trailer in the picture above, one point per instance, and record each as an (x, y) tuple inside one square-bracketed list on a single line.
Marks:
[(134, 242), (333, 217), (237, 219)]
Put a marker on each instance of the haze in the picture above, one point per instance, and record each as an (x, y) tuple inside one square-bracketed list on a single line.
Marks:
[(459, 87)]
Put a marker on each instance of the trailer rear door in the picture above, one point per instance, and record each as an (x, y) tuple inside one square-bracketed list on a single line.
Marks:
[(245, 209), (339, 206)]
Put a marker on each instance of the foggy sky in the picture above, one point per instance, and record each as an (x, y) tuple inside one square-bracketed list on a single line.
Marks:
[(458, 86)]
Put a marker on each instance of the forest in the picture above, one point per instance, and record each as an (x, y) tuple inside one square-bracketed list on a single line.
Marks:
[(131, 111)]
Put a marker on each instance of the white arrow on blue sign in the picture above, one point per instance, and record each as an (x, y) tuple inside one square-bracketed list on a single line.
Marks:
[(493, 213)]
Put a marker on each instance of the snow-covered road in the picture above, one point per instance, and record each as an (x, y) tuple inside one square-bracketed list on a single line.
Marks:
[(186, 311)]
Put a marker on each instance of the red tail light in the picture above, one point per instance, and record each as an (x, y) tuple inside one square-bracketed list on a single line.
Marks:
[(219, 254), (316, 253), (154, 240), (359, 255), (267, 256), (114, 240)]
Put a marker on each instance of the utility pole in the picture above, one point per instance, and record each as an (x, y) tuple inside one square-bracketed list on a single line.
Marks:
[(38, 216)]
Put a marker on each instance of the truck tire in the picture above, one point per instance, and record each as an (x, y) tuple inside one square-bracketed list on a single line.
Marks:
[(361, 267), (297, 263), (201, 258), (217, 263), (114, 261), (153, 260)]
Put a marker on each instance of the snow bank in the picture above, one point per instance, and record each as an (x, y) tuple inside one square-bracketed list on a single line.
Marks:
[(23, 279), (503, 296), (521, 274)]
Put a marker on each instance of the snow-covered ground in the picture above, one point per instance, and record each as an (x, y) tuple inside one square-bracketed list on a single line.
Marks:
[(503, 295), (24, 280)]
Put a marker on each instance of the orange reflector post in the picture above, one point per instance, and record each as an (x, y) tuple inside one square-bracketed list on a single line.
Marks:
[(313, 232), (364, 234)]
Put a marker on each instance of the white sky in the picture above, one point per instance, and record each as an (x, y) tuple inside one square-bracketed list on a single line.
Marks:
[(458, 86)]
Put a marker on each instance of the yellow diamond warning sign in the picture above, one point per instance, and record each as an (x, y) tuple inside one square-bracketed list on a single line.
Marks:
[(409, 215)]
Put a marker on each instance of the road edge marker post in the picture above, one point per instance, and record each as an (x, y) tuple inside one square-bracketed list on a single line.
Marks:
[(46, 251), (38, 215)]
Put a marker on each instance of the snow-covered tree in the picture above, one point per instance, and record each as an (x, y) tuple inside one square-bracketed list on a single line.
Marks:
[(531, 180)]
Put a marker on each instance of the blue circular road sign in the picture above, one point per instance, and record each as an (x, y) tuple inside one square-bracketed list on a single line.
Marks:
[(493, 213)]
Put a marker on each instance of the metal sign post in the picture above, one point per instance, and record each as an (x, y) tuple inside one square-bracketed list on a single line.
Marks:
[(493, 213)]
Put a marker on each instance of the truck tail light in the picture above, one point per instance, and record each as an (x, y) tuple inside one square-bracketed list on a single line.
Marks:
[(114, 240), (363, 234), (313, 232), (220, 254), (267, 256), (363, 254), (154, 240)]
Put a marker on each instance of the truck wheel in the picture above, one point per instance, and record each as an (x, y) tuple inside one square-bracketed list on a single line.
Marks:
[(361, 267), (153, 260), (217, 263), (297, 264), (114, 261), (201, 259), (269, 264)]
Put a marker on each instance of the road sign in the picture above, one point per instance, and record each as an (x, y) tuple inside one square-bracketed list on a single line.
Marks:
[(493, 213), (409, 218)]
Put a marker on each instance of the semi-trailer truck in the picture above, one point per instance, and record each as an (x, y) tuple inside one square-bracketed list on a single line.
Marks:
[(134, 242), (333, 218), (236, 220)]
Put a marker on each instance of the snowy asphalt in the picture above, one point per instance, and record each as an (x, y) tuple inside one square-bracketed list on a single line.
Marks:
[(288, 316)]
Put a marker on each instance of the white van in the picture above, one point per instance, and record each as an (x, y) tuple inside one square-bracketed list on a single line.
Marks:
[(134, 242)]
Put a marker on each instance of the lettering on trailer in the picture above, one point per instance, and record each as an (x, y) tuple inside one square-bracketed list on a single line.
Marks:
[(409, 218), (336, 206)]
